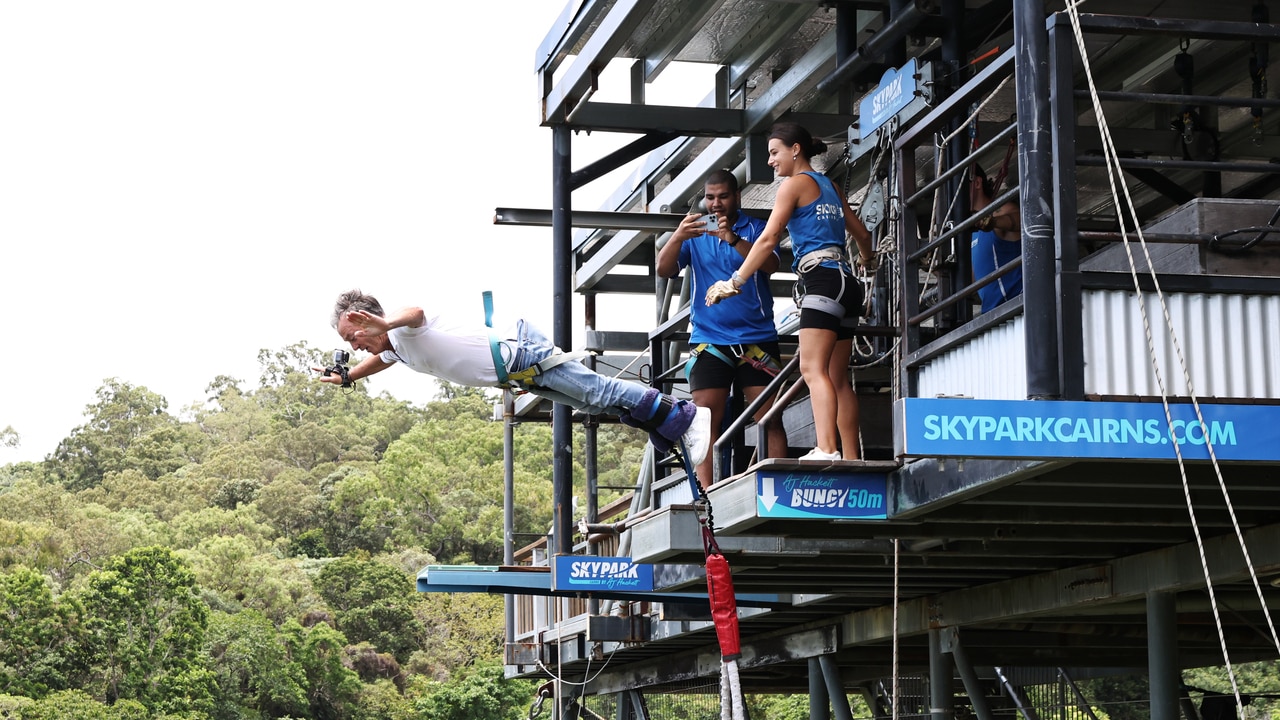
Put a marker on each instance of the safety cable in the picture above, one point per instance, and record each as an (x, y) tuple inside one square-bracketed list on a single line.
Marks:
[(1113, 167)]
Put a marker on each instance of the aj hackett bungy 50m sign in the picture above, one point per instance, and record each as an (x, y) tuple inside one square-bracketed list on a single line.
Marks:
[(1073, 429), (821, 495), (588, 572)]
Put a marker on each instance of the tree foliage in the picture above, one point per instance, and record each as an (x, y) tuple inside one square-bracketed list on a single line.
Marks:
[(253, 556)]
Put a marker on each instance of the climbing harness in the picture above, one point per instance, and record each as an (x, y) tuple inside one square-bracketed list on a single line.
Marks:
[(1113, 172), (724, 615), (752, 355), (521, 380), (821, 303)]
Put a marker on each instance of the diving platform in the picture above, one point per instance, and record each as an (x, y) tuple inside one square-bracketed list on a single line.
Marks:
[(529, 580)]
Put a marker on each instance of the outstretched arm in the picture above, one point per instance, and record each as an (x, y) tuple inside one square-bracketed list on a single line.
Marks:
[(369, 325), (363, 369)]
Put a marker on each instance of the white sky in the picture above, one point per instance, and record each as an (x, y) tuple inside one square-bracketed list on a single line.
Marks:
[(184, 183)]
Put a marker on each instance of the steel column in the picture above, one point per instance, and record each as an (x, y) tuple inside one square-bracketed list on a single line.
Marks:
[(941, 695), (1162, 655), (1065, 232), (508, 506), (835, 688), (562, 334), (1031, 76), (819, 707)]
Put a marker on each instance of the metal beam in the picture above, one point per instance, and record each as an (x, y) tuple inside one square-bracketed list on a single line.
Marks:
[(677, 120), (650, 222), (614, 31), (693, 664), (1128, 578)]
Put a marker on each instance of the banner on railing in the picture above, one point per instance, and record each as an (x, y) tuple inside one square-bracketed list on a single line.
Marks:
[(958, 427)]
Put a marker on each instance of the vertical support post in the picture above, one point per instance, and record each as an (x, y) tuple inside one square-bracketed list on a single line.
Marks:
[(954, 56), (562, 313), (908, 231), (819, 707), (941, 694), (835, 688), (508, 506), (590, 435), (1065, 232), (1031, 66), (1162, 655)]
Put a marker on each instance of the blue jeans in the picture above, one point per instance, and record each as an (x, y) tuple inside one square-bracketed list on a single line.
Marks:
[(573, 383)]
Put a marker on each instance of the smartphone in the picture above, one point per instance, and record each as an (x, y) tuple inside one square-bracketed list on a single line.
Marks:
[(712, 223)]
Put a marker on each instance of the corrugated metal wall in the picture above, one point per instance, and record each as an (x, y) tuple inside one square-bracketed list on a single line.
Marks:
[(1231, 344), (991, 366)]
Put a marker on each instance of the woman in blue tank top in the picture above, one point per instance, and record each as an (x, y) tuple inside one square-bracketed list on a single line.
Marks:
[(817, 216)]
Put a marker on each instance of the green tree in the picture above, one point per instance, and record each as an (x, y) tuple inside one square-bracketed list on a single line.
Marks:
[(253, 670), (9, 437), (38, 634), (461, 630), (373, 602), (122, 415), (333, 690), (147, 629), (481, 694)]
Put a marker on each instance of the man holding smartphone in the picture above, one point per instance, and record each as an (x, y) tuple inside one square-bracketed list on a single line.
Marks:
[(734, 342)]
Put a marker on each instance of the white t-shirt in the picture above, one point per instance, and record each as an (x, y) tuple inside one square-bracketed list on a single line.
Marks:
[(453, 351)]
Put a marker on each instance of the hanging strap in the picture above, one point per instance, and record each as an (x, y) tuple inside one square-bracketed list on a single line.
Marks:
[(525, 377), (495, 346)]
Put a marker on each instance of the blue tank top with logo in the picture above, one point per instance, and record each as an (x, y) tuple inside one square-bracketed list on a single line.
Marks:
[(819, 224)]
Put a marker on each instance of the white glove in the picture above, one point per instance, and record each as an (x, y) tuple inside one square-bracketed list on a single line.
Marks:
[(720, 291)]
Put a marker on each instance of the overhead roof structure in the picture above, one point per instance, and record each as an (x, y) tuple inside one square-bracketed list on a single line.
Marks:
[(1031, 560)]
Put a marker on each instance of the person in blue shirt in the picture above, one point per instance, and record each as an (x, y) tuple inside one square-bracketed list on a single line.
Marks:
[(817, 216), (996, 242), (733, 343)]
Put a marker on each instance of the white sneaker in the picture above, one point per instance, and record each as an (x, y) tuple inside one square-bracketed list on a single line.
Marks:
[(697, 439), (818, 454)]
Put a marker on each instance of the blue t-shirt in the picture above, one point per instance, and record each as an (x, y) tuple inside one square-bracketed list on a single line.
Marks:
[(743, 318), (987, 253), (819, 224)]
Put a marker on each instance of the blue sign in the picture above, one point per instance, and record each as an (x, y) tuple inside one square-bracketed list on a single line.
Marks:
[(585, 573), (931, 427), (896, 90), (821, 495)]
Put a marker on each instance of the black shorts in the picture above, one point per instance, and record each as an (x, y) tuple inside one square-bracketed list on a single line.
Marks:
[(828, 282), (709, 371)]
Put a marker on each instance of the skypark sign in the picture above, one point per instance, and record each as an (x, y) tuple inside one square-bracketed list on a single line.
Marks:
[(949, 427), (586, 573)]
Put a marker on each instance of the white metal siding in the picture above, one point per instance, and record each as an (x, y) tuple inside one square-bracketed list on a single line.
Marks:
[(1231, 344), (991, 366)]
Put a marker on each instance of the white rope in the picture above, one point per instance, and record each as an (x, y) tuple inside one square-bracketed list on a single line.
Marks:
[(1113, 167)]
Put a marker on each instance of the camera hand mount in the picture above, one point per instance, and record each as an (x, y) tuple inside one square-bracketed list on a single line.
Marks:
[(340, 359)]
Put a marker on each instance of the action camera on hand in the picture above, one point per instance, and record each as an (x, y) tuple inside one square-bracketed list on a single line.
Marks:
[(340, 360)]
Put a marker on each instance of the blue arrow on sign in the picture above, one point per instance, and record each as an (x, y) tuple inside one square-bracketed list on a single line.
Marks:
[(824, 495)]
